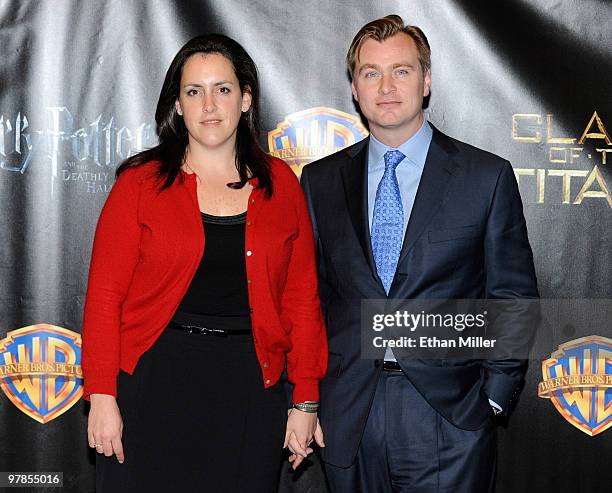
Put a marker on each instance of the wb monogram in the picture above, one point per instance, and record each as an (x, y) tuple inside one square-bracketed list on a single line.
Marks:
[(578, 380), (40, 370)]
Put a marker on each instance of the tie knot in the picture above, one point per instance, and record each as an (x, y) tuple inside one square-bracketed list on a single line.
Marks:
[(393, 158)]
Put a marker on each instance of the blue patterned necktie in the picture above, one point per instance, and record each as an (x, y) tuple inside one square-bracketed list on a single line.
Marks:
[(388, 221)]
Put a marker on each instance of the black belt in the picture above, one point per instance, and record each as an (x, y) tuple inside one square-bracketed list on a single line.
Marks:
[(206, 331), (391, 366)]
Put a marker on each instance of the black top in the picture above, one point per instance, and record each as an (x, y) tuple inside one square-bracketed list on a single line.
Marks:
[(217, 296)]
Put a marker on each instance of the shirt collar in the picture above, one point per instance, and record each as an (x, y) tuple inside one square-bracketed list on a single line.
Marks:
[(415, 148)]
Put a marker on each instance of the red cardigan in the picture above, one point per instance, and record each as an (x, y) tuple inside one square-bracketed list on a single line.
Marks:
[(147, 248)]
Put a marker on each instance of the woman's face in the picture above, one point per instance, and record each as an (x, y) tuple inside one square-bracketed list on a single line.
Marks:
[(210, 101)]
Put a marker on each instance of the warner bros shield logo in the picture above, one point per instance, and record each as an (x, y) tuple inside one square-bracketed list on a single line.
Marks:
[(40, 370), (577, 378), (311, 134)]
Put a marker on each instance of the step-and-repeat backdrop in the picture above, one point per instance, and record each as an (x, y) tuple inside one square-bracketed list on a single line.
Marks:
[(526, 79)]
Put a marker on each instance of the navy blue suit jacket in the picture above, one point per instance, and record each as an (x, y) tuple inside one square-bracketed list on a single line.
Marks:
[(466, 239)]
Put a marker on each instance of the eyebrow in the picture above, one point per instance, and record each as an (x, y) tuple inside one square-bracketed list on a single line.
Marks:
[(367, 66), (196, 84), (403, 64), (377, 67)]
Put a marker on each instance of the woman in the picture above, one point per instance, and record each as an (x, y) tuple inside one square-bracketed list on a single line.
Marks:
[(202, 289)]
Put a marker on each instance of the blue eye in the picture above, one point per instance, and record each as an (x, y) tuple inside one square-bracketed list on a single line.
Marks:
[(371, 75)]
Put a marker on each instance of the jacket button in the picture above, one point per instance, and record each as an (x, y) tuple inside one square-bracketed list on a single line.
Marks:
[(268, 381), (266, 364), (252, 201), (248, 281), (376, 363), (249, 253), (248, 223)]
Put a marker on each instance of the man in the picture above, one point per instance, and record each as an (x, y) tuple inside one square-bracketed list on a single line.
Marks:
[(409, 213)]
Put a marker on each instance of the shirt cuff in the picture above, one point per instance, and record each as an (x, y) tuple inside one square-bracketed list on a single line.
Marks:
[(495, 405)]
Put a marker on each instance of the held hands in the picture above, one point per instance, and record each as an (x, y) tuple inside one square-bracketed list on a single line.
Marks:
[(302, 428), (105, 426)]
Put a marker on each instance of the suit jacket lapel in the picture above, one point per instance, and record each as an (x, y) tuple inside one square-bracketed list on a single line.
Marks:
[(431, 193), (355, 180)]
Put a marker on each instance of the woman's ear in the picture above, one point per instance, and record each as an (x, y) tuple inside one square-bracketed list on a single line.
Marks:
[(247, 99)]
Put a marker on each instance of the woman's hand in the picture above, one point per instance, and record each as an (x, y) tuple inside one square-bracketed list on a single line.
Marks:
[(105, 426), (302, 427)]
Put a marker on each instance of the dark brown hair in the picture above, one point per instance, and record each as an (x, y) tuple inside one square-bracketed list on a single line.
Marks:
[(251, 160)]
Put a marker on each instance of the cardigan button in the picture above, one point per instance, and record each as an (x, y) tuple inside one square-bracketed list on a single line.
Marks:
[(248, 223), (249, 253), (268, 381), (265, 365), (248, 281)]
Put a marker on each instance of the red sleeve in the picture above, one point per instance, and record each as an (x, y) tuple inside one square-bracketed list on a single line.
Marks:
[(307, 360), (114, 257)]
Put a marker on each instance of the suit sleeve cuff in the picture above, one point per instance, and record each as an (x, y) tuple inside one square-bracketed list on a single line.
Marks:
[(501, 389)]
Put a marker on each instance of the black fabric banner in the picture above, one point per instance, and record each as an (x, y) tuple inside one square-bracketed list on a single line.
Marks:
[(79, 81)]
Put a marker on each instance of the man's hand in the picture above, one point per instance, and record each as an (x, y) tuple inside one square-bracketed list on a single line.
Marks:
[(105, 426)]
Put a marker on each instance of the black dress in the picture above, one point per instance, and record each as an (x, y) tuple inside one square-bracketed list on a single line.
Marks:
[(196, 415)]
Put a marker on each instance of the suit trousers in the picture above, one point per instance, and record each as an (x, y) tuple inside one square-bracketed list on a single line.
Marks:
[(407, 447)]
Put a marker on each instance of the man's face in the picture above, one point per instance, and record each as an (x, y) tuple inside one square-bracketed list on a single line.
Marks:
[(389, 85)]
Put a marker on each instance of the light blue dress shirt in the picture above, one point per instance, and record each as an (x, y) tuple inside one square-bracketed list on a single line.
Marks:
[(408, 173)]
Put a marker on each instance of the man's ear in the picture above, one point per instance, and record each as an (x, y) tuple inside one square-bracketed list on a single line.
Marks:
[(426, 83), (354, 91)]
